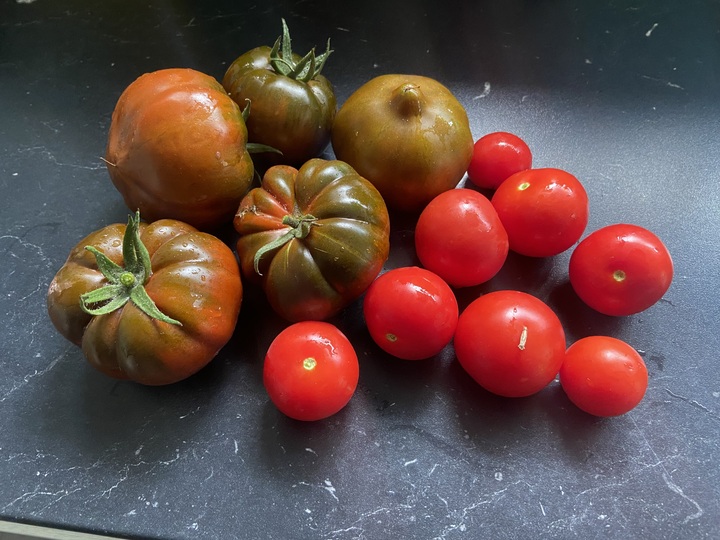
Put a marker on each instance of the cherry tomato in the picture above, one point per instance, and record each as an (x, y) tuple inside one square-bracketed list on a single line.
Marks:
[(460, 237), (496, 157), (311, 370), (621, 269), (510, 342), (544, 211), (603, 376), (410, 313)]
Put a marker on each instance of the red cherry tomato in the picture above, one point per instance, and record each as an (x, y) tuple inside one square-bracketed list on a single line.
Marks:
[(496, 157), (544, 211), (603, 376), (510, 342), (459, 237), (621, 269), (311, 370), (410, 313)]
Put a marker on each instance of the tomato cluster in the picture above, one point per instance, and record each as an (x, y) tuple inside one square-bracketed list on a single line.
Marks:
[(155, 303)]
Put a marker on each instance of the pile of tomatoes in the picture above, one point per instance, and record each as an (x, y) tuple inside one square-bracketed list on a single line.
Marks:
[(155, 302)]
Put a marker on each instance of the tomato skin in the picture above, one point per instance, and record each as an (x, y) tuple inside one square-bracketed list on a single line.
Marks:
[(496, 157), (621, 269), (545, 211), (177, 149), (511, 343), (411, 313), (310, 371), (195, 279), (290, 115), (315, 276), (459, 237), (408, 135), (603, 376)]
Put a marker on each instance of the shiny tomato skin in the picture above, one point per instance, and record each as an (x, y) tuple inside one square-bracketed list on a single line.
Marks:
[(621, 269), (177, 148), (603, 376), (511, 343), (410, 312), (310, 371), (545, 211), (496, 157), (459, 237)]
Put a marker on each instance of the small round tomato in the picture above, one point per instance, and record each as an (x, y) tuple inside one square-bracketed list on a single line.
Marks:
[(460, 237), (544, 211), (603, 376), (311, 370), (496, 157), (621, 269), (410, 313), (510, 342)]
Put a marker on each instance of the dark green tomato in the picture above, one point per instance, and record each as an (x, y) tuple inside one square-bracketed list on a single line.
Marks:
[(314, 238), (408, 135), (287, 114)]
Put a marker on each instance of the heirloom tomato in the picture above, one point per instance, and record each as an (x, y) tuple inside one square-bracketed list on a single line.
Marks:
[(603, 376), (153, 303), (315, 238), (460, 237), (544, 211), (621, 269), (310, 371), (410, 313), (408, 135), (510, 343), (496, 157), (177, 148), (292, 106)]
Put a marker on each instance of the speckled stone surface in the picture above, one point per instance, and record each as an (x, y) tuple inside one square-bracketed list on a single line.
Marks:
[(623, 95)]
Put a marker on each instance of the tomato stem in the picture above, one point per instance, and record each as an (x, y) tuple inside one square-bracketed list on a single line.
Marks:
[(283, 62), (124, 283), (299, 228)]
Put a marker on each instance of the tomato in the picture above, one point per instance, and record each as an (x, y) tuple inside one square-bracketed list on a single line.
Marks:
[(511, 343), (292, 106), (410, 313), (496, 157), (603, 376), (177, 149), (315, 238), (544, 211), (161, 317), (310, 371), (459, 236), (621, 269), (408, 135)]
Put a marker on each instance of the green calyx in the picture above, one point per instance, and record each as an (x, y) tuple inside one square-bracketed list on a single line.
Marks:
[(305, 69), (124, 284), (299, 228)]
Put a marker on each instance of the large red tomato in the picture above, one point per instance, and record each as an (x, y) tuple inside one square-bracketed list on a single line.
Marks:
[(510, 342), (460, 238), (621, 269), (544, 211)]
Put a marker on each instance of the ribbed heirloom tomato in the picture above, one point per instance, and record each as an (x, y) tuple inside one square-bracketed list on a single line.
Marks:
[(153, 303), (311, 370), (410, 313), (621, 269), (510, 342), (314, 238)]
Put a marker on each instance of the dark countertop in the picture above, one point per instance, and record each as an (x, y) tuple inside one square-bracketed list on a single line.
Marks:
[(623, 95)]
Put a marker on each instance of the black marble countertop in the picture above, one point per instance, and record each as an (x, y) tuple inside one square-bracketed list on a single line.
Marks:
[(625, 95)]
